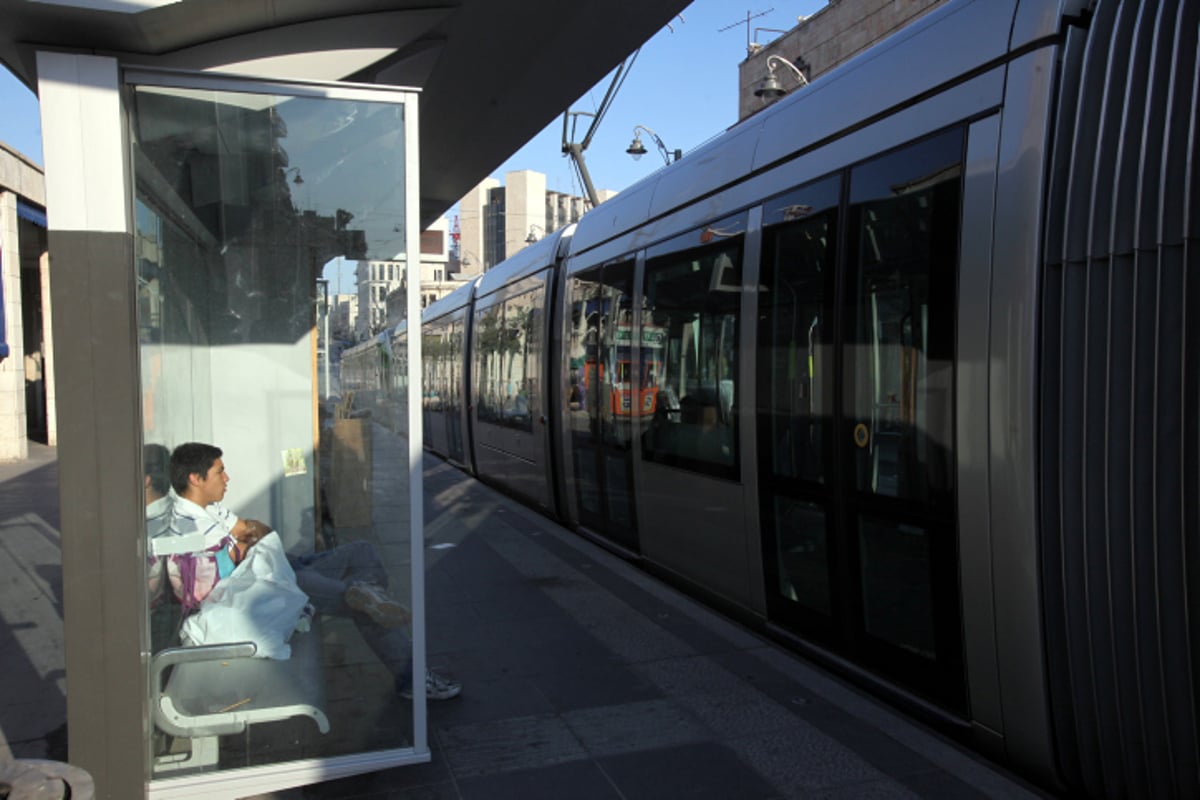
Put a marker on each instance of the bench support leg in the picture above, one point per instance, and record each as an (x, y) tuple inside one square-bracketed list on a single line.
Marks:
[(203, 756)]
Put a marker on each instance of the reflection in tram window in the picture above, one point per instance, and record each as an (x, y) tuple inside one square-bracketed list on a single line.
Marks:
[(489, 323), (598, 343), (454, 401), (431, 403), (582, 340), (692, 304), (508, 337), (441, 404)]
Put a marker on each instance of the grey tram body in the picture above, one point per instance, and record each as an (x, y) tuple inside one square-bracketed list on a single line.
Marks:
[(1056, 493)]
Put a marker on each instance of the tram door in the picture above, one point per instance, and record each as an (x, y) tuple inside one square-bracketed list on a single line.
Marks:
[(856, 415), (599, 419)]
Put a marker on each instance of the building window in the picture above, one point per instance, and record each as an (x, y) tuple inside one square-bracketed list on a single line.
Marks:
[(432, 243)]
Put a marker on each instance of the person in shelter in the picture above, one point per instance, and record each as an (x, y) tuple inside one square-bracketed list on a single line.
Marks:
[(156, 489), (348, 580)]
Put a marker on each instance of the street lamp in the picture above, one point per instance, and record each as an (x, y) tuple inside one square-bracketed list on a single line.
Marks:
[(298, 179), (323, 349), (770, 88), (466, 259), (637, 149)]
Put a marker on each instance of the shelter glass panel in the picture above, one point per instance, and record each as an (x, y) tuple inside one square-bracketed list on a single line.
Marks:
[(280, 571)]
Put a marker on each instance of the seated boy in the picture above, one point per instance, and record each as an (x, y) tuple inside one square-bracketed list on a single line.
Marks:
[(348, 580)]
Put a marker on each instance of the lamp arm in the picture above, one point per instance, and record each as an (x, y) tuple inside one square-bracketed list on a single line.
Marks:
[(658, 142), (772, 60)]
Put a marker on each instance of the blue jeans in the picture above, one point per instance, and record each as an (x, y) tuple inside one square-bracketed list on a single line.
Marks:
[(326, 576)]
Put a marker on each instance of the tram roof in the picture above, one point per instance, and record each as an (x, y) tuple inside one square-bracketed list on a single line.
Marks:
[(457, 299), (485, 89), (527, 261)]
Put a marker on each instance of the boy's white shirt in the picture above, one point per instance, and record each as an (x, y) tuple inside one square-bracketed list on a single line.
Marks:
[(194, 528)]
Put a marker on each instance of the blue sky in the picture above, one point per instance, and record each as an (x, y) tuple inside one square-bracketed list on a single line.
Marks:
[(683, 85)]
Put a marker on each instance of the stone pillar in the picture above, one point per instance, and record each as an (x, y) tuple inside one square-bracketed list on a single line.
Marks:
[(14, 445)]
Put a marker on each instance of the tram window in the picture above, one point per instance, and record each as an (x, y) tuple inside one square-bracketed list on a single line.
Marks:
[(507, 362), (692, 307), (904, 221), (795, 336), (489, 324), (430, 383), (522, 316), (454, 368)]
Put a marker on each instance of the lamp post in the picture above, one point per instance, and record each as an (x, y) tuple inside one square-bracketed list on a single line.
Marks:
[(323, 334), (637, 149), (770, 88), (465, 259)]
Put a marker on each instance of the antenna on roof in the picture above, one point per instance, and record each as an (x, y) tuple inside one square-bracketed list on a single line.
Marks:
[(746, 22)]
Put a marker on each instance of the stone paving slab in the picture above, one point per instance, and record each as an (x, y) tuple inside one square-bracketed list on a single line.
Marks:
[(33, 690)]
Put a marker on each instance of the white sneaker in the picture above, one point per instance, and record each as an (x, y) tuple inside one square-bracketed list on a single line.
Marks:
[(437, 687), (374, 602)]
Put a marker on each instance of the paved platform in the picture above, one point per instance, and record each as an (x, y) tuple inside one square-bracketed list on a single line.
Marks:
[(584, 677)]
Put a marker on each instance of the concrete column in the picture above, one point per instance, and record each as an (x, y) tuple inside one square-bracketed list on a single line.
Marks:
[(13, 443), (48, 355), (93, 291)]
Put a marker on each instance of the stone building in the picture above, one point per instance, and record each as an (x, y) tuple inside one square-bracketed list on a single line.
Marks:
[(27, 406), (496, 221), (381, 284), (832, 36)]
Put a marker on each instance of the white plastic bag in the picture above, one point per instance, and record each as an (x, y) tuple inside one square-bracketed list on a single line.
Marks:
[(259, 602)]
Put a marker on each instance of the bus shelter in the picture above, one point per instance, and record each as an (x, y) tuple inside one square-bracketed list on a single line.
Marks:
[(229, 197)]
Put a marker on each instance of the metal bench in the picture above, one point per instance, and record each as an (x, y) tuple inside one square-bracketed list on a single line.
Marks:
[(204, 692)]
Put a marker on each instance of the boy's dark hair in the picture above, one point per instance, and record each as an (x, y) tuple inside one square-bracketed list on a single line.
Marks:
[(192, 458), (156, 462)]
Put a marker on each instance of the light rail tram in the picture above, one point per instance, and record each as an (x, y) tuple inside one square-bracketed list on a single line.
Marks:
[(899, 370)]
